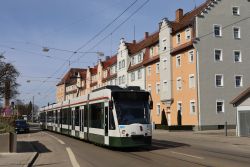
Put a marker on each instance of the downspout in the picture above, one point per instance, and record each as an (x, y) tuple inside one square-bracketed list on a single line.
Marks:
[(197, 75)]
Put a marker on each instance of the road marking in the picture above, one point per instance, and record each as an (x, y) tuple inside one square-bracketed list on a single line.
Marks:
[(188, 155), (72, 158), (59, 140)]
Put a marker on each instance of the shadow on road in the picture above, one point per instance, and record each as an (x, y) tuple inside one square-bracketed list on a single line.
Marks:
[(156, 145), (31, 146)]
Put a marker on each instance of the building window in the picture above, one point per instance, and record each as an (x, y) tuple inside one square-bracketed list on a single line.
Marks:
[(188, 34), (192, 107), (217, 31), (139, 74), (219, 80), (238, 81), (120, 80), (149, 70), (132, 76), (236, 32), (165, 64), (178, 61), (120, 64), (191, 56), (178, 38), (123, 63), (237, 56), (219, 106), (149, 88), (123, 79), (164, 43), (133, 60), (165, 84), (139, 57), (158, 89), (151, 52), (178, 83), (158, 109), (218, 55), (236, 11), (157, 68), (191, 81)]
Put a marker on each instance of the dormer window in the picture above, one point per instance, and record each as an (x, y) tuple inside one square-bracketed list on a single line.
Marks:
[(139, 57), (178, 38), (188, 34)]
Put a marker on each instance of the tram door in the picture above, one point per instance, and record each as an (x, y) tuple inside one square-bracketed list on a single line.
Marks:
[(106, 113)]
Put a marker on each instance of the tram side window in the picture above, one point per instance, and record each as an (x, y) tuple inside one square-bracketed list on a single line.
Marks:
[(96, 115), (50, 116), (42, 117), (64, 116), (111, 120), (69, 116), (56, 117), (86, 116), (77, 115)]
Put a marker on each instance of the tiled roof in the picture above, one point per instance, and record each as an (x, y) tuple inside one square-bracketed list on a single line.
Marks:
[(93, 71), (109, 77), (241, 97), (189, 17), (136, 47), (67, 79), (111, 61)]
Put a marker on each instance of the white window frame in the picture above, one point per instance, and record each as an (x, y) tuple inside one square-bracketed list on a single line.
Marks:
[(132, 76), (191, 54), (191, 85), (177, 107), (221, 56), (157, 68), (191, 107), (164, 42), (158, 109), (188, 34), (240, 58), (132, 60), (158, 88), (238, 11), (178, 38), (217, 25), (139, 72), (165, 84), (140, 57), (239, 32), (178, 57), (241, 83), (222, 81), (165, 64), (150, 88), (179, 83), (149, 70), (223, 106)]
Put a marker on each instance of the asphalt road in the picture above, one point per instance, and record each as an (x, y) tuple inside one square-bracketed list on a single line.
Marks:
[(169, 149)]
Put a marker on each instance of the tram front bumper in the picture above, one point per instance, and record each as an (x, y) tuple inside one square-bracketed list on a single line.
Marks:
[(132, 141)]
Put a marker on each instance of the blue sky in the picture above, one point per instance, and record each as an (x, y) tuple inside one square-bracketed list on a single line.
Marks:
[(29, 25)]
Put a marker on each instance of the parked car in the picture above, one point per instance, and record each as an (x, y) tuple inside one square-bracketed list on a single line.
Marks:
[(22, 126)]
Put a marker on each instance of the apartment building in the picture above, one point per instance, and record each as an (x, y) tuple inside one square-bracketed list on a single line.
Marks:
[(204, 50), (72, 85)]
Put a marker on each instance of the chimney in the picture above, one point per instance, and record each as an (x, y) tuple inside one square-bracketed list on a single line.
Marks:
[(146, 35), (178, 15), (134, 41)]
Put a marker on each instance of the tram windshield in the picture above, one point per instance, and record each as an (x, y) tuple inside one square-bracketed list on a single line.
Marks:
[(132, 107)]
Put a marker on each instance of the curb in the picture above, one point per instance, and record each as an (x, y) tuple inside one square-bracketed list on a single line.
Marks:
[(32, 159)]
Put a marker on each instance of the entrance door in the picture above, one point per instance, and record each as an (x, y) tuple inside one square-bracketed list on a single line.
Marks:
[(106, 124), (179, 113)]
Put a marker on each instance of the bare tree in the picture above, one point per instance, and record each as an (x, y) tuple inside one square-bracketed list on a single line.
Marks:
[(8, 79)]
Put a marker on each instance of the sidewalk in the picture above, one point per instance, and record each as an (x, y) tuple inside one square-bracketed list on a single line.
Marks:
[(24, 157)]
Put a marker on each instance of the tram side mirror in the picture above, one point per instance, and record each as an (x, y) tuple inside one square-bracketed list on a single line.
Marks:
[(111, 105), (151, 105)]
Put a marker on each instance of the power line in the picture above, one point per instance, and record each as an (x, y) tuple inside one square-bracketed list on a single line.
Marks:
[(116, 28)]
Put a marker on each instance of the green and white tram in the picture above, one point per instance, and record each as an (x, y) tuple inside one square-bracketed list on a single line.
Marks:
[(110, 116)]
